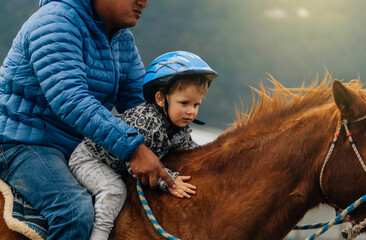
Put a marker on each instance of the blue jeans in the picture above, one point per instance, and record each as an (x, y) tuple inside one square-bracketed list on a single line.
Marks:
[(41, 174)]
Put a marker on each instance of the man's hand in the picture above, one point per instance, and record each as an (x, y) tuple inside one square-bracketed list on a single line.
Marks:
[(146, 166)]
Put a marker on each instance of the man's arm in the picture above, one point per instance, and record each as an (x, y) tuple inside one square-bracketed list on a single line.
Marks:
[(147, 167)]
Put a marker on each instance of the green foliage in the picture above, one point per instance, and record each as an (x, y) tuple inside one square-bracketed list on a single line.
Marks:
[(242, 40)]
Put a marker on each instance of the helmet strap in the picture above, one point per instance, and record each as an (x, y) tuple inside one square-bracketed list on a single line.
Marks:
[(198, 122), (166, 107), (164, 111)]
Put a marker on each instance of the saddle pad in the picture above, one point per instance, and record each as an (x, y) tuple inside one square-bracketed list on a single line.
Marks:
[(20, 216)]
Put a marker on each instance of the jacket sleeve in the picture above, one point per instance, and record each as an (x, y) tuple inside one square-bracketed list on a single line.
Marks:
[(56, 55), (130, 84)]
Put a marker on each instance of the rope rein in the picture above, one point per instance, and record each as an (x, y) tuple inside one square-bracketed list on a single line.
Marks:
[(151, 215), (339, 218), (315, 226)]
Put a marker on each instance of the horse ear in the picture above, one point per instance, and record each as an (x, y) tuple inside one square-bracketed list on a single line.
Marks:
[(347, 100)]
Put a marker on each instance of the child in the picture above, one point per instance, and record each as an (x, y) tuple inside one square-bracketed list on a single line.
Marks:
[(174, 85)]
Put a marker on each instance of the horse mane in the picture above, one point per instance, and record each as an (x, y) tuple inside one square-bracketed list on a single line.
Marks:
[(279, 103), (276, 105)]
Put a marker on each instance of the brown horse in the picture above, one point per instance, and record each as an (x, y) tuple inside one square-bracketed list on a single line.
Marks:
[(260, 177)]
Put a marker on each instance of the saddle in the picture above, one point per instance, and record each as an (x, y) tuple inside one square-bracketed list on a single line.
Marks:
[(20, 216)]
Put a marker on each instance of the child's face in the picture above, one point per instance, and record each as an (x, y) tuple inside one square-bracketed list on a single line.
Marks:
[(183, 105)]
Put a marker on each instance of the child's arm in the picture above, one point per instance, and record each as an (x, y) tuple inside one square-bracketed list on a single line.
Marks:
[(183, 189)]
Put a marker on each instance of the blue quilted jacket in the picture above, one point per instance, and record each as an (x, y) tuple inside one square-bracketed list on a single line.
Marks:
[(63, 75)]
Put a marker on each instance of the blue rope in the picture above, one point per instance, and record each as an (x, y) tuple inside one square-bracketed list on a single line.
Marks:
[(325, 226), (151, 215), (338, 218), (316, 225)]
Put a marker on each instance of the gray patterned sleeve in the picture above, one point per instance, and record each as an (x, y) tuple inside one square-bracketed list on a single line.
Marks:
[(162, 184)]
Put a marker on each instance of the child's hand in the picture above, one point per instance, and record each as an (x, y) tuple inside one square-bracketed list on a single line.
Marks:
[(183, 189)]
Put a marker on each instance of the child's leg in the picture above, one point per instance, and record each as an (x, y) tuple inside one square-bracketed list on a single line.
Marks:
[(104, 184), (109, 200)]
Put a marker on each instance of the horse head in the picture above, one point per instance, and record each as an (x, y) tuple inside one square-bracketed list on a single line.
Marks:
[(344, 174)]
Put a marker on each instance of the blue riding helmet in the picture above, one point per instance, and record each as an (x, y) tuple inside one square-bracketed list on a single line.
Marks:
[(167, 67)]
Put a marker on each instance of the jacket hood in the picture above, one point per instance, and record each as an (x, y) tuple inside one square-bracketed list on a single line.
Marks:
[(86, 12), (79, 5)]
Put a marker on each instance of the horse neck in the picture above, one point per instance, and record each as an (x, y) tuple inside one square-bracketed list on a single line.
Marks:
[(266, 177)]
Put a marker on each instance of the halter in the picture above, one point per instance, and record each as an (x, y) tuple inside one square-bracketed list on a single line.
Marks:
[(344, 122)]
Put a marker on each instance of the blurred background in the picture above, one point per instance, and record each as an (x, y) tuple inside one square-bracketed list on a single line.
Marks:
[(243, 40)]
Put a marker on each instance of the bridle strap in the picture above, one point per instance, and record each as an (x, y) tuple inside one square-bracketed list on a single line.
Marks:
[(344, 123), (359, 119), (330, 151), (349, 135)]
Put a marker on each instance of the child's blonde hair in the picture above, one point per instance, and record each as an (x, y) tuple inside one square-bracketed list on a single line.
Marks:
[(201, 82)]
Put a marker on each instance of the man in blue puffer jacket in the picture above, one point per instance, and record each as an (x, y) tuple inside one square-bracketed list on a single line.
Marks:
[(69, 65)]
